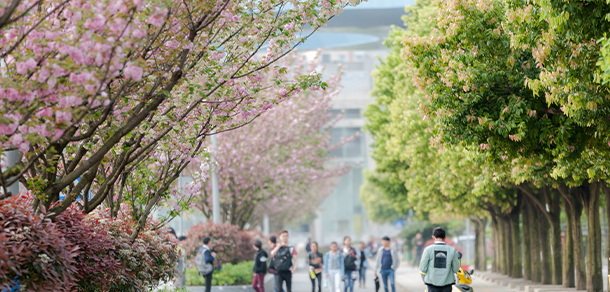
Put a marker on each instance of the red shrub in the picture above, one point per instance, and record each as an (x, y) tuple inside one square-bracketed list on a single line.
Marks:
[(230, 243), (151, 258), (97, 264), (38, 253), (224, 241)]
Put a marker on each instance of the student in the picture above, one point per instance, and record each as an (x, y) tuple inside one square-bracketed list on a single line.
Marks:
[(439, 263), (387, 263), (260, 267), (351, 258), (316, 265), (272, 243), (285, 261), (209, 256), (334, 267), (364, 264)]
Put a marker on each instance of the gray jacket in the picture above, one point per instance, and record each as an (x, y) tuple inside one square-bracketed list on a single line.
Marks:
[(395, 260)]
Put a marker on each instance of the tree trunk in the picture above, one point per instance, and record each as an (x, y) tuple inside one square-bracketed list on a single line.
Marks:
[(508, 243), (527, 259), (495, 261), (480, 262), (568, 249), (517, 264), (579, 252), (545, 249), (607, 192), (535, 244), (501, 247), (594, 237), (555, 221)]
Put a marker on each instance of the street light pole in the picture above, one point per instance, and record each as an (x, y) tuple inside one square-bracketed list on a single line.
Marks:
[(215, 195)]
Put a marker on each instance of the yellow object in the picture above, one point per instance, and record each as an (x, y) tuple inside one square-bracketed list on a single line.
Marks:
[(312, 274), (464, 277)]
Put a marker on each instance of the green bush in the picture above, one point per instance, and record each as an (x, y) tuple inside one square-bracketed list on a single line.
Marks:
[(239, 274)]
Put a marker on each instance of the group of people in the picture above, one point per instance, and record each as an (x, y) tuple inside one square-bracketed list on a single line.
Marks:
[(439, 262), (344, 265)]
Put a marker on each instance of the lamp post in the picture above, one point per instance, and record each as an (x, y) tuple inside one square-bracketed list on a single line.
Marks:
[(215, 195)]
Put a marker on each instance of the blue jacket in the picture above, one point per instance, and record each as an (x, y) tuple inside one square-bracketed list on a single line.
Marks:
[(367, 254), (327, 262)]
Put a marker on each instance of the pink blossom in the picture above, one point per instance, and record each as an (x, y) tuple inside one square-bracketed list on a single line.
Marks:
[(217, 55), (289, 26), (22, 144), (69, 101), (133, 72), (138, 33), (63, 117), (157, 19), (45, 112), (24, 67), (172, 45)]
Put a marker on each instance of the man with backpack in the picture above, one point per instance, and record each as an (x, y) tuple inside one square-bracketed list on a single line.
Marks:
[(283, 257), (205, 263), (351, 257), (273, 243)]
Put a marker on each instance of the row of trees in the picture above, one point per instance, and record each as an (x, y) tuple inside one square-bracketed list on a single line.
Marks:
[(499, 109), (116, 99), (279, 165)]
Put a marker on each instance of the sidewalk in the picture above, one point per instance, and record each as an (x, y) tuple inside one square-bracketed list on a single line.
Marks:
[(409, 278)]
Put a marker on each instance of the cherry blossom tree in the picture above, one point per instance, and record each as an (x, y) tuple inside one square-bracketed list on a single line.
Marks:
[(280, 163), (101, 95)]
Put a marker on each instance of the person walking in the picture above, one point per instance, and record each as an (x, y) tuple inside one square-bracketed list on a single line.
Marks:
[(334, 267), (351, 264), (260, 267), (285, 262), (209, 257), (316, 266), (387, 263), (364, 264), (418, 243), (439, 263), (272, 243)]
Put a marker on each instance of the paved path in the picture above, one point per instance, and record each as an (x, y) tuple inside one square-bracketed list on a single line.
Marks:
[(409, 279), (302, 283)]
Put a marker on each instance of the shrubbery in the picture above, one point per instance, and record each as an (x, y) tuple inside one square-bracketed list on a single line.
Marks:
[(80, 252), (230, 243), (239, 274)]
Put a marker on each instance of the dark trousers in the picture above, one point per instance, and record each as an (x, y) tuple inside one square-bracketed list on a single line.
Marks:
[(432, 288), (313, 283), (258, 282), (284, 277), (208, 282)]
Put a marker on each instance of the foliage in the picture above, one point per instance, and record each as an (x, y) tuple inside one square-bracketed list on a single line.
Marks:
[(77, 249), (151, 258), (98, 262), (230, 274), (264, 168), (378, 207), (225, 241), (94, 93), (37, 252)]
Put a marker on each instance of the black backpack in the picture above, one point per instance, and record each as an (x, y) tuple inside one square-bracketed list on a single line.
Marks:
[(350, 262), (282, 262)]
